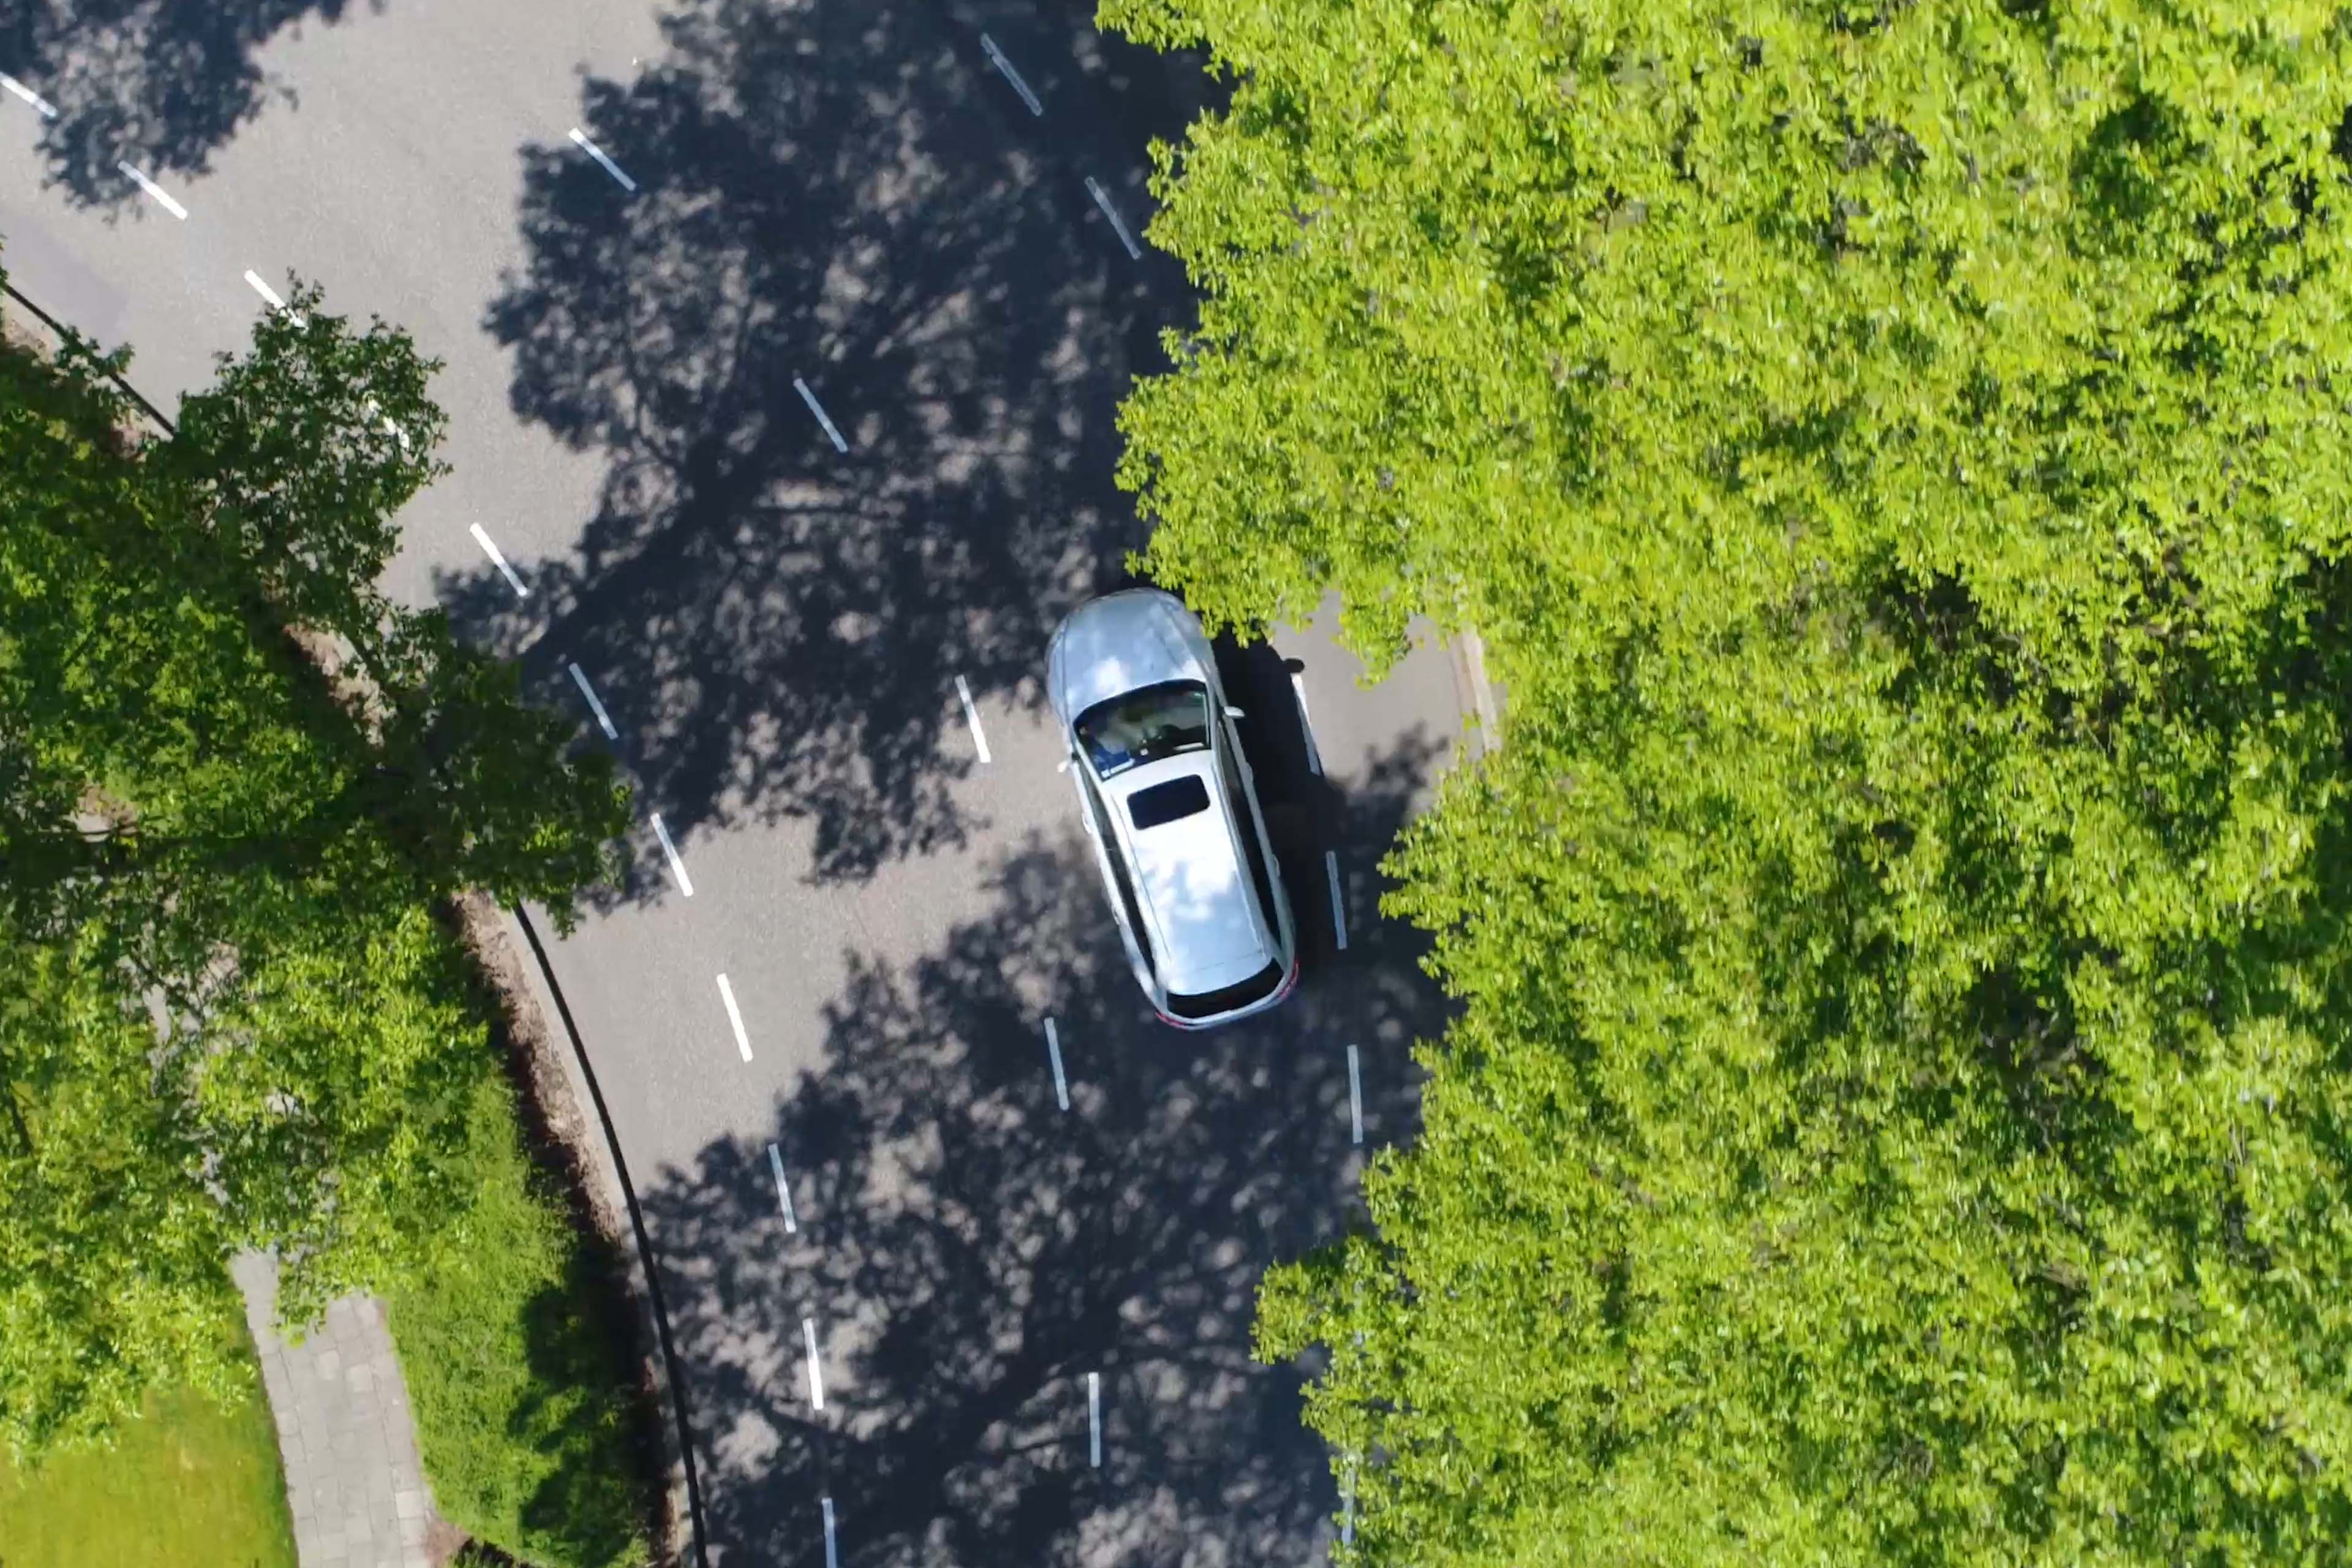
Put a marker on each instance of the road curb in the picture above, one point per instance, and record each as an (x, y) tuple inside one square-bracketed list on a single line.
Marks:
[(532, 1001), (16, 312)]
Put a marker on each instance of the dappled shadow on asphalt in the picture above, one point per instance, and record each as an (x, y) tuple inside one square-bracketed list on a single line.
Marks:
[(159, 84), (849, 196), (968, 1253)]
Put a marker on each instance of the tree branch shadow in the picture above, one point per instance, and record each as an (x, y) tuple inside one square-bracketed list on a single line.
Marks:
[(848, 199), (158, 84), (969, 1253)]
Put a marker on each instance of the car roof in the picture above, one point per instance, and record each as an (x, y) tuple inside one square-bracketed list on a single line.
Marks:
[(1196, 892), (1117, 643)]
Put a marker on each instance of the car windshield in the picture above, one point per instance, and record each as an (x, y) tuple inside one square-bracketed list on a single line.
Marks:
[(1145, 726)]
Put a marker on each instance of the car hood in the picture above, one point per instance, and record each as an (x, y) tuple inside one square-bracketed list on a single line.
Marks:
[(1116, 645)]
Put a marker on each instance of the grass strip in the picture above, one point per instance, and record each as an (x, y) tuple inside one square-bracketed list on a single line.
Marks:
[(190, 1481), (519, 1373)]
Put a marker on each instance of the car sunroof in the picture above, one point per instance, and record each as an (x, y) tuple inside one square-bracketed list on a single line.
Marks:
[(1167, 802)]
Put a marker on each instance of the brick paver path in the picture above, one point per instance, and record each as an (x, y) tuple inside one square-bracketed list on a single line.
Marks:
[(343, 1428)]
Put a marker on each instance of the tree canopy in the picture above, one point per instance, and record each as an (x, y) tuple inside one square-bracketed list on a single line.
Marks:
[(1897, 458), (228, 1016)]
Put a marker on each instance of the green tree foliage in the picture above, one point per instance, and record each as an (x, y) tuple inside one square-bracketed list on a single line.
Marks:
[(1897, 455), (227, 1017)]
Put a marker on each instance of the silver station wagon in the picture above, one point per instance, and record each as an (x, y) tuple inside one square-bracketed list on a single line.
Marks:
[(1170, 806)]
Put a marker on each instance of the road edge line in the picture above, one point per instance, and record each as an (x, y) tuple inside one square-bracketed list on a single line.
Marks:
[(684, 1529)]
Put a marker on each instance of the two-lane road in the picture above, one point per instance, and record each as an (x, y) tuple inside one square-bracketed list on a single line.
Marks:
[(785, 393)]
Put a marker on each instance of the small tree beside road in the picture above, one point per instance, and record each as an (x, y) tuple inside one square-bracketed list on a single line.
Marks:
[(227, 1016)]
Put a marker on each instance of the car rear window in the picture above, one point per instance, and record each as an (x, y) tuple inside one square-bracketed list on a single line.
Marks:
[(1171, 802), (1209, 1003)]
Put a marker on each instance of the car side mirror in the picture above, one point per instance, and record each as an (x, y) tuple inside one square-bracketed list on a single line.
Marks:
[(1234, 712)]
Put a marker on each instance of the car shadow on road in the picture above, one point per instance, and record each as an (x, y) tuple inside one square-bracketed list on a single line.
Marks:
[(158, 84), (845, 204), (966, 1253)]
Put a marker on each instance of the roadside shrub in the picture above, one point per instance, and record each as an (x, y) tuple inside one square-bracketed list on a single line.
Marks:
[(517, 1371)]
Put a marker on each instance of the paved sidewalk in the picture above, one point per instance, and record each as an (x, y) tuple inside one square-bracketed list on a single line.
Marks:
[(352, 1478)]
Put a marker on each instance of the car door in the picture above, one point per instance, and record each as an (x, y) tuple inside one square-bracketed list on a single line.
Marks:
[(1117, 890), (1240, 789)]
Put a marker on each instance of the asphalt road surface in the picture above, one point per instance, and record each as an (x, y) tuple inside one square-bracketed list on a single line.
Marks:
[(972, 1326)]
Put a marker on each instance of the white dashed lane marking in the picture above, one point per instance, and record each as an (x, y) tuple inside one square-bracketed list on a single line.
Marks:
[(1117, 224), (579, 137), (268, 295), (48, 111), (996, 58), (831, 1554), (604, 719), (677, 865), (371, 408), (815, 1368), (1094, 1419), (161, 196), (735, 1017), (971, 717), (1053, 1055), (1306, 726), (1355, 1098), (500, 561), (1339, 909), (839, 444), (784, 1189)]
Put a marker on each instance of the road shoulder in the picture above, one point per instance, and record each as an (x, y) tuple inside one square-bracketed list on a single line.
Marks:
[(555, 1057)]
